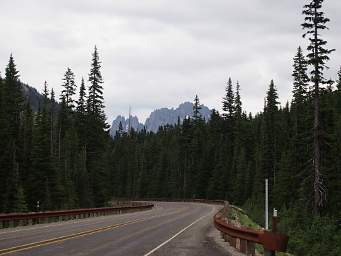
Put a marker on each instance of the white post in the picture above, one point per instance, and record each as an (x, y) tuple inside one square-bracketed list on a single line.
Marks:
[(275, 212), (266, 204)]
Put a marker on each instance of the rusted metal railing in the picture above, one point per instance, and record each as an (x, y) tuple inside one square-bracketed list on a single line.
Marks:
[(31, 218), (244, 238)]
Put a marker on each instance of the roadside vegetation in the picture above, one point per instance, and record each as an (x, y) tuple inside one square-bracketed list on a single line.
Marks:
[(62, 156)]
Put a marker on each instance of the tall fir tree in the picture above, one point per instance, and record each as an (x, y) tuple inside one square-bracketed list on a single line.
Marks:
[(81, 103), (95, 103), (12, 107), (96, 124), (42, 161), (238, 103), (196, 109), (228, 101), (314, 23), (69, 88), (270, 152), (300, 107), (301, 78), (81, 113)]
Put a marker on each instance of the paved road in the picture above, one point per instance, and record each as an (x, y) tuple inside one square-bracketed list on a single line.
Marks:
[(175, 229)]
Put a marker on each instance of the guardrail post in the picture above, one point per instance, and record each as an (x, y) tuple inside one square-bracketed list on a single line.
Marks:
[(250, 249), (238, 244), (243, 246), (233, 242), (275, 221)]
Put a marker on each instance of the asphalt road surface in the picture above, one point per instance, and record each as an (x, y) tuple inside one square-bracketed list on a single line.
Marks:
[(169, 229)]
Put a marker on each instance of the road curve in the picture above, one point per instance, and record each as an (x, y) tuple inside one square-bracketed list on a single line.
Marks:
[(168, 229)]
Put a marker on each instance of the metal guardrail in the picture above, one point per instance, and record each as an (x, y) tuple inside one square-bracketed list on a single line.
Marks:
[(244, 238), (31, 218), (204, 201)]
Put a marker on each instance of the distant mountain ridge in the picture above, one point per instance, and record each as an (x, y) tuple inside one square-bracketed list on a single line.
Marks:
[(32, 95), (159, 117)]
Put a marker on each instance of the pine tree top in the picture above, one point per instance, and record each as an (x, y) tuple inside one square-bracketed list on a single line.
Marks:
[(228, 100), (272, 98), (300, 76), (52, 98), (81, 106), (196, 108), (11, 71), (69, 88), (238, 103), (314, 22), (95, 102), (45, 91)]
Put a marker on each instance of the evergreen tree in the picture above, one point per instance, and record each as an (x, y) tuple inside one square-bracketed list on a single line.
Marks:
[(15, 198), (69, 88), (239, 167), (228, 101), (270, 135), (12, 106), (315, 22), (196, 109), (96, 124), (26, 136), (81, 104), (45, 92), (42, 160), (81, 114), (301, 79), (238, 103), (301, 153), (95, 98)]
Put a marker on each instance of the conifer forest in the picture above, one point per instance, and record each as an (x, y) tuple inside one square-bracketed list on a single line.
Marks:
[(61, 156)]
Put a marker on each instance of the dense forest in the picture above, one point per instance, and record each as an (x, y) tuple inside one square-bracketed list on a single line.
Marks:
[(53, 158), (62, 156)]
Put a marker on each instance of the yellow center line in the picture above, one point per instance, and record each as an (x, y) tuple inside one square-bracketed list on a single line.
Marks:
[(64, 238), (73, 236)]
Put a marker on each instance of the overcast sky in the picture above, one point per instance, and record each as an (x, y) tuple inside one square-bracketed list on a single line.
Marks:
[(159, 53)]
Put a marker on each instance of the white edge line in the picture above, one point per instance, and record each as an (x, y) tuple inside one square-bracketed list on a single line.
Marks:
[(180, 232)]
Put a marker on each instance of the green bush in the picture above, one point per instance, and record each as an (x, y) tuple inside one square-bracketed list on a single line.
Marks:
[(308, 235)]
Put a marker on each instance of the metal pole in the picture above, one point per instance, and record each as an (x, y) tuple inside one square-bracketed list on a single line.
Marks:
[(266, 204)]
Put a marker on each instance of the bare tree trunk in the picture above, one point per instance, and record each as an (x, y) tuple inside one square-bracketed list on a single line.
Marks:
[(318, 191), (317, 174)]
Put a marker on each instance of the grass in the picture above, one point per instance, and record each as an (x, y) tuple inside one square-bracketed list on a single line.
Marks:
[(246, 221)]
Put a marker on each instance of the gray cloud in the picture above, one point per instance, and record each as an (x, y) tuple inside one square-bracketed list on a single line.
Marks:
[(159, 53)]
